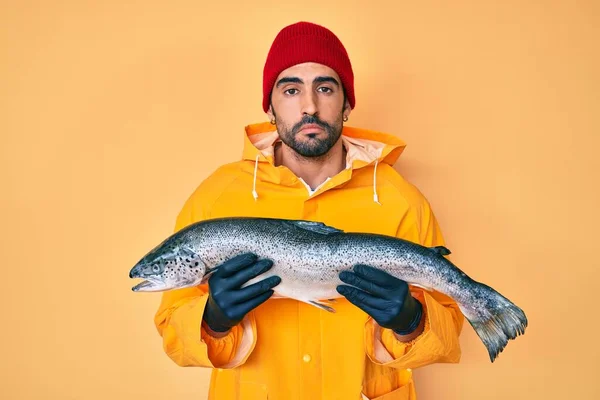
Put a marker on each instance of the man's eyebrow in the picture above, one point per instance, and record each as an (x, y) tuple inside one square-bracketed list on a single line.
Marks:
[(288, 79), (321, 79), (318, 79)]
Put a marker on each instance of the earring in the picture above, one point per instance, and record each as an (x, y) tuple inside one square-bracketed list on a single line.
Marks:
[(272, 122), (345, 118)]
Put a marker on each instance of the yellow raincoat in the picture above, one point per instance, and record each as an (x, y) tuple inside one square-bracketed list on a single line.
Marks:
[(286, 349)]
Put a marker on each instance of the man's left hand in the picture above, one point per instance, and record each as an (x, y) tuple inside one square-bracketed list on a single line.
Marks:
[(384, 297)]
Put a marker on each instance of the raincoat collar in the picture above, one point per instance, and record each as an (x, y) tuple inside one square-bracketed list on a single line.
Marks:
[(364, 147)]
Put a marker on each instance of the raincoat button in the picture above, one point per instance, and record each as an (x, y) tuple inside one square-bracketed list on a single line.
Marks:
[(306, 358)]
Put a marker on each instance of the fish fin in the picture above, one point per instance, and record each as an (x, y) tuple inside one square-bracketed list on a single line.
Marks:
[(322, 306), (441, 250), (208, 274), (495, 319), (317, 227), (422, 287)]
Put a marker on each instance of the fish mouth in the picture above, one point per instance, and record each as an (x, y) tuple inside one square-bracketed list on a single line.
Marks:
[(149, 285), (155, 284)]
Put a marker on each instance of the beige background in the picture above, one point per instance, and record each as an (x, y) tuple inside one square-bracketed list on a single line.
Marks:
[(112, 113)]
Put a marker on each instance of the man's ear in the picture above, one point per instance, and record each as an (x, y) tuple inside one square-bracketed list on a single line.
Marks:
[(347, 109), (270, 113)]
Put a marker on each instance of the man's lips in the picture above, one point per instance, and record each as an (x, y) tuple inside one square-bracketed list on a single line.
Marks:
[(311, 128)]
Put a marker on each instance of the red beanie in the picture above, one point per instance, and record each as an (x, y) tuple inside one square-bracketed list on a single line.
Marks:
[(307, 42)]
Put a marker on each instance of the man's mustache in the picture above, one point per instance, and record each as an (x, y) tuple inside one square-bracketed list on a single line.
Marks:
[(310, 121)]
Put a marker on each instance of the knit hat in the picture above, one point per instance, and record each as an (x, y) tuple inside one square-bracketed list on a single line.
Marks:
[(307, 42)]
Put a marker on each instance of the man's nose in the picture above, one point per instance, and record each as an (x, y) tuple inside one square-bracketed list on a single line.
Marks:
[(309, 104)]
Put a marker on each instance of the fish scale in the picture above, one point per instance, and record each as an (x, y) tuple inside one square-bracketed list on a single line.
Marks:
[(308, 257)]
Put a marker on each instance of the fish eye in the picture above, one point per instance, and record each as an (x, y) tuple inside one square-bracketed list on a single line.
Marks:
[(156, 268)]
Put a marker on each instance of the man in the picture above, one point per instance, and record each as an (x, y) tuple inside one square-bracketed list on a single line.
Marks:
[(304, 164)]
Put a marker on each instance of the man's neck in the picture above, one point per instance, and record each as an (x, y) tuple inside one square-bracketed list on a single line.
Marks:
[(313, 170)]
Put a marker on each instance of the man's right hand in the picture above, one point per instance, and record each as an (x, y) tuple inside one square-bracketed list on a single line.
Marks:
[(227, 302)]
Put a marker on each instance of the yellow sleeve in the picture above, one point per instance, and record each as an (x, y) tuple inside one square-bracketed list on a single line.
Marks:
[(439, 341), (179, 322)]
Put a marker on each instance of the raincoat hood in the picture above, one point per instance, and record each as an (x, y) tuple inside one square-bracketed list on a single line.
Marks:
[(363, 148)]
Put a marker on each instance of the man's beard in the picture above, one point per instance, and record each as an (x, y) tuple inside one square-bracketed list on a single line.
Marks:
[(313, 147)]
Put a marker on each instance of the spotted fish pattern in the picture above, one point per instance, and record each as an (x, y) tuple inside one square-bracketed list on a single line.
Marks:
[(308, 256)]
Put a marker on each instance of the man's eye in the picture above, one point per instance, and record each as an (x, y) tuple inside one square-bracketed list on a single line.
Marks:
[(287, 91), (327, 90)]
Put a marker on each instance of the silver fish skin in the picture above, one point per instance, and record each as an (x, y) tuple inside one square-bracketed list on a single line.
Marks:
[(308, 256)]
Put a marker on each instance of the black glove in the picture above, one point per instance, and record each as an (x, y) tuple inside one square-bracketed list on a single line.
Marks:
[(227, 303), (385, 298)]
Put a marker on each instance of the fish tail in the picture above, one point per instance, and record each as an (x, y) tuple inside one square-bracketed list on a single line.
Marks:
[(495, 319)]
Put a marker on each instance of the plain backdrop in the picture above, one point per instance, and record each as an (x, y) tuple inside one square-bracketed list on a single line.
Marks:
[(112, 112)]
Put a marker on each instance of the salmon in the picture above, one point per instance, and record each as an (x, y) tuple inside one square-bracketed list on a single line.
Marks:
[(308, 256)]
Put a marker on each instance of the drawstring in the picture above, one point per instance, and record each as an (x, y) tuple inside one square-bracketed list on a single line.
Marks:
[(254, 193), (375, 197)]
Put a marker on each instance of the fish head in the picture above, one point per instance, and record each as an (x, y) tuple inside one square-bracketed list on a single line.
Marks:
[(170, 265)]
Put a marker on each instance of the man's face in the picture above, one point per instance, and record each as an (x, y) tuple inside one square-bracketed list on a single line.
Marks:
[(309, 94)]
